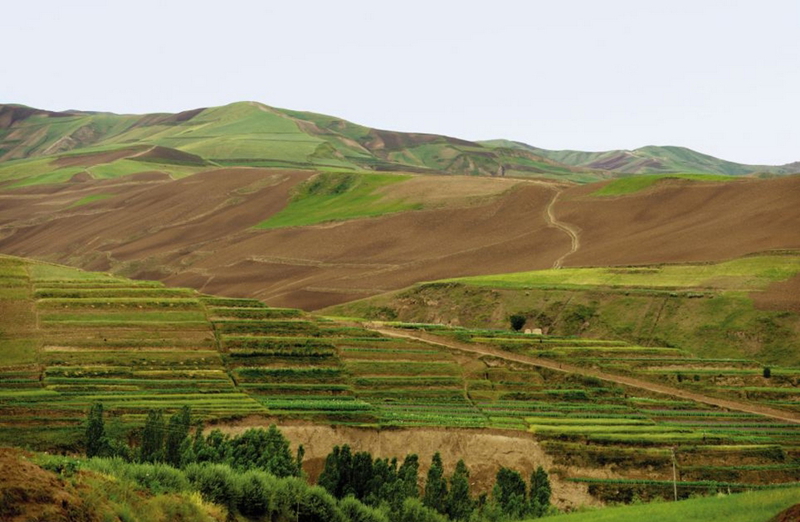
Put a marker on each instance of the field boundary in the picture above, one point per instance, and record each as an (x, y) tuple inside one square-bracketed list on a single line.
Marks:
[(569, 368)]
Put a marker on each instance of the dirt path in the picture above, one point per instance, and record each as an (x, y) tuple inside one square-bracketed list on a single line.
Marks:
[(618, 379), (570, 230)]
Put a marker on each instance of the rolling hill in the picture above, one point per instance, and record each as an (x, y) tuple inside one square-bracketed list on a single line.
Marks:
[(648, 160), (667, 304), (60, 145)]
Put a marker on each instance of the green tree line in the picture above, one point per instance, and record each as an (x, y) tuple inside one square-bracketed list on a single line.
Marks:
[(255, 475)]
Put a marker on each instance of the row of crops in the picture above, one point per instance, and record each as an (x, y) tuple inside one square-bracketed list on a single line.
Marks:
[(70, 338), (132, 345), (585, 422)]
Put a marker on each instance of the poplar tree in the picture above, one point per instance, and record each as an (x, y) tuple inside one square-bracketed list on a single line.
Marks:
[(95, 431), (459, 504), (435, 494), (152, 449)]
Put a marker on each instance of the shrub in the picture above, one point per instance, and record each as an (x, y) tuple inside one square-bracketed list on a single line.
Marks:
[(358, 512), (517, 321), (257, 493), (217, 483), (414, 511)]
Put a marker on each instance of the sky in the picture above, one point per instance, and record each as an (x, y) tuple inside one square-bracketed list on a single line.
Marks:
[(721, 77)]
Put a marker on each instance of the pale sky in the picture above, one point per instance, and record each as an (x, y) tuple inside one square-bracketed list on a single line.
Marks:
[(721, 77)]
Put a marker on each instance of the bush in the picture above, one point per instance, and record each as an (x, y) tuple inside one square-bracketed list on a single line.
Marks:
[(767, 372), (517, 321), (358, 512), (156, 478), (217, 483), (257, 493), (414, 511)]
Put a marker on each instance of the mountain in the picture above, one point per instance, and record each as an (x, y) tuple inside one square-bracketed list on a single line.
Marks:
[(648, 160), (241, 134)]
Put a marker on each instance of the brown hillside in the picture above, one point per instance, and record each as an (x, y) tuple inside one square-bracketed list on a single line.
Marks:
[(683, 221), (198, 231), (28, 492)]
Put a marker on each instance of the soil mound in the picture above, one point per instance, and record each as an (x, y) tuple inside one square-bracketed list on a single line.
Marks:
[(789, 515), (28, 492), (167, 155), (779, 296)]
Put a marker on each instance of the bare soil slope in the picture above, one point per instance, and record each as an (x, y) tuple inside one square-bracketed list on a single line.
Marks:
[(484, 452), (198, 231), (683, 221)]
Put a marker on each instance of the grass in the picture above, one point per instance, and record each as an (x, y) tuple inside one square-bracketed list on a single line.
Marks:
[(634, 184), (754, 506), (747, 273), (337, 197), (18, 351), (91, 199)]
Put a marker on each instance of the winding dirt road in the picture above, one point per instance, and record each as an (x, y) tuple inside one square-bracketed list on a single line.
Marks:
[(479, 349), (570, 230)]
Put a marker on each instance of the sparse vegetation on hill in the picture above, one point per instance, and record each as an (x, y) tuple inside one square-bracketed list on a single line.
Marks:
[(705, 309)]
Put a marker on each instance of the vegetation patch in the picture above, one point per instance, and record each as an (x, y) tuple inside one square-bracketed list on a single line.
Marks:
[(338, 197), (632, 184)]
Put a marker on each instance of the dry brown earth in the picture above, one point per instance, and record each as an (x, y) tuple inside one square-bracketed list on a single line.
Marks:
[(484, 452), (198, 231), (683, 221)]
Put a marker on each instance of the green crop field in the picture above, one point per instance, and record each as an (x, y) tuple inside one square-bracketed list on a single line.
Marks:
[(79, 337)]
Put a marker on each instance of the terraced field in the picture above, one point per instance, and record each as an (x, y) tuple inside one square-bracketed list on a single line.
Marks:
[(70, 338), (584, 422)]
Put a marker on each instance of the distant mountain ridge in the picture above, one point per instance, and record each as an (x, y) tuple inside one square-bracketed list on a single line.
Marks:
[(40, 146), (253, 134), (649, 160)]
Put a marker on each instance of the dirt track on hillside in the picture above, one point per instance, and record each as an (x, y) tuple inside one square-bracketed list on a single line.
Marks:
[(683, 221), (198, 231), (570, 230), (479, 349)]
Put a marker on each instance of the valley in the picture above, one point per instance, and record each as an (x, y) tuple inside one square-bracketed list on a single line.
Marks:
[(359, 286)]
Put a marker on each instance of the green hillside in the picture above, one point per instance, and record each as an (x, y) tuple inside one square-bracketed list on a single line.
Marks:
[(707, 309), (755, 506), (46, 147), (647, 160), (70, 339)]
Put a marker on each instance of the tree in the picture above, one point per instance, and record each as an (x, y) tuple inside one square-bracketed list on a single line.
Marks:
[(540, 492), (152, 448), (509, 492), (517, 322), (767, 372), (258, 448), (459, 504), (96, 441), (408, 474), (436, 486), (177, 433)]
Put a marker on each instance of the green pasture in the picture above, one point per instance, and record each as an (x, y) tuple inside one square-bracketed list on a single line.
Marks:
[(338, 197), (747, 273), (750, 506)]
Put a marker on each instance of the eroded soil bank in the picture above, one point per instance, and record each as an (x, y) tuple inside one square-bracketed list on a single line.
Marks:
[(484, 451)]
